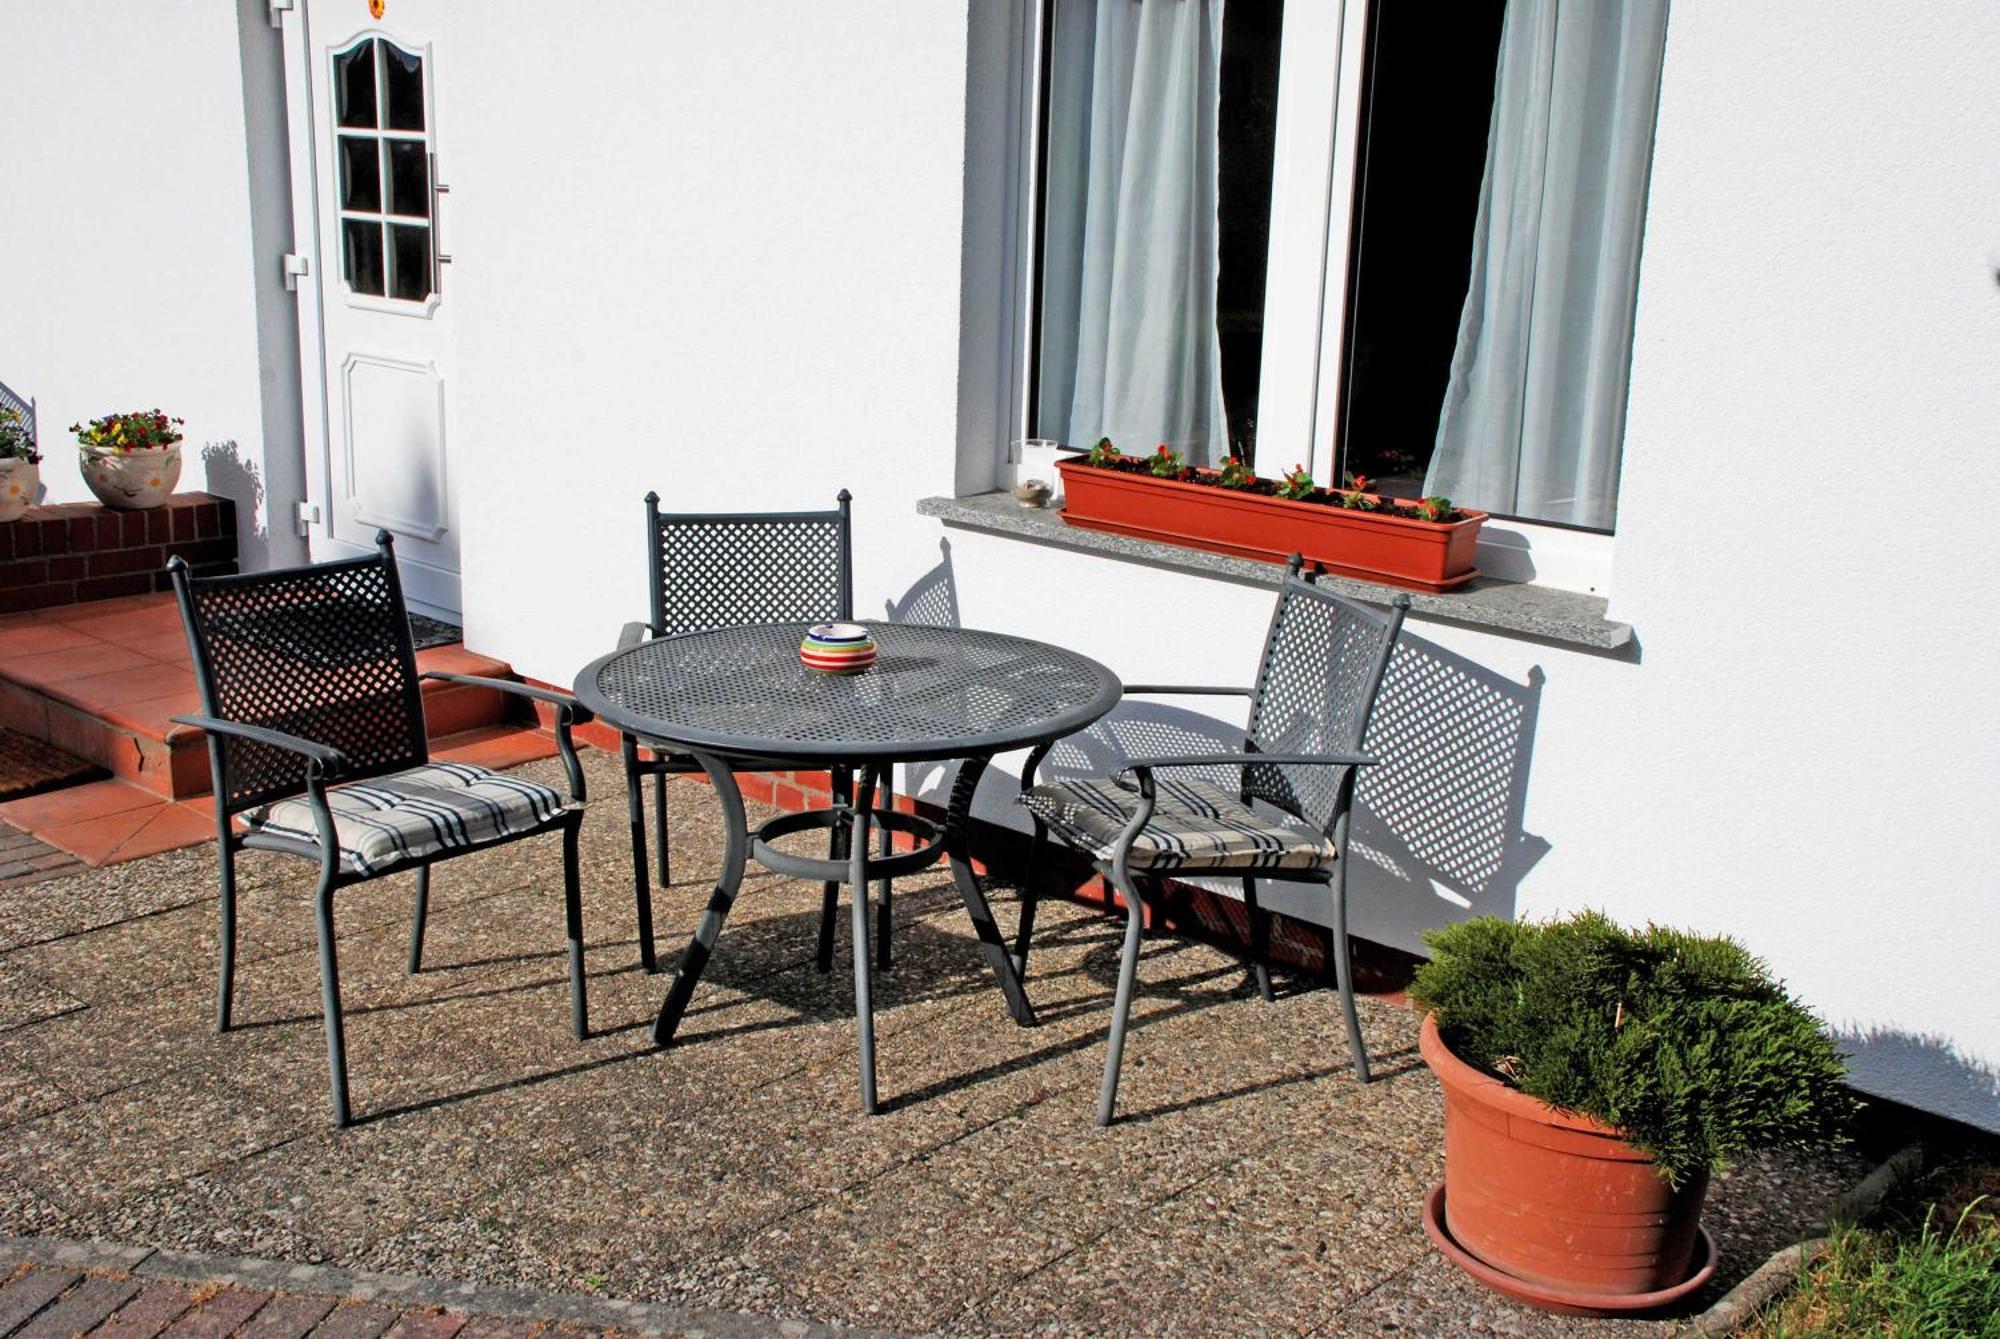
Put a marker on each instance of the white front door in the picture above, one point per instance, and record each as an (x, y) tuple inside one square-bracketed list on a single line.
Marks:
[(380, 348)]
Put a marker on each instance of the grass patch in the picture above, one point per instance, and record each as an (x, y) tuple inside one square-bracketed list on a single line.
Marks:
[(1929, 1270)]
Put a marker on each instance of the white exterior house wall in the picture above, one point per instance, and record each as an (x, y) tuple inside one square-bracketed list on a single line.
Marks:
[(134, 269), (731, 253)]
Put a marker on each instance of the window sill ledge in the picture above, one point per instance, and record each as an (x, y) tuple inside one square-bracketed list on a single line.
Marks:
[(1512, 607)]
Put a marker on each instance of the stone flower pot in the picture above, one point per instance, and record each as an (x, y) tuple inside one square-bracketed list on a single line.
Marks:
[(130, 480), (18, 481)]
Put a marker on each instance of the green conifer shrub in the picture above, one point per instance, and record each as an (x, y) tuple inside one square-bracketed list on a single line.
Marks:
[(1684, 1043)]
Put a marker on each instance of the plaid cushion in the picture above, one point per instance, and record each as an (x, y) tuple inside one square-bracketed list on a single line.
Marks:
[(387, 820), (1196, 824)]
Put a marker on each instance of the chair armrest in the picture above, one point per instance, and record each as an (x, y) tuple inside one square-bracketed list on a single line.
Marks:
[(569, 712), (579, 714), (1248, 759), (1188, 690), (331, 761), (631, 635)]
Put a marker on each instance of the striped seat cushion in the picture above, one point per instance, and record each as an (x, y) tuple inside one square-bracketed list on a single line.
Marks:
[(1196, 824), (390, 820)]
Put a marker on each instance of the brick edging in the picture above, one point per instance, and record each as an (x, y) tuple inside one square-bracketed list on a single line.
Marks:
[(409, 1292)]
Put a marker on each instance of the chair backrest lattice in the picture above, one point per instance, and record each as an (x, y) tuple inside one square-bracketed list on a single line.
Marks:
[(322, 652), (712, 570), (1322, 670)]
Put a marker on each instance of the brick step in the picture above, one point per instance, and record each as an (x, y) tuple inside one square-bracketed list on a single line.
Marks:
[(102, 680)]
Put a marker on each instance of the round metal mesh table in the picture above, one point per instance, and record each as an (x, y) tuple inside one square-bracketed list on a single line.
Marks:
[(932, 693)]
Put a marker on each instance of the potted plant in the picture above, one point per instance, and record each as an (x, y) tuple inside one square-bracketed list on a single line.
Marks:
[(131, 460), (1593, 1078), (20, 465), (1426, 544)]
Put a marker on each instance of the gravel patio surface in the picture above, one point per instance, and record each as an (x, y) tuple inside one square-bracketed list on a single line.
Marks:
[(1250, 1186)]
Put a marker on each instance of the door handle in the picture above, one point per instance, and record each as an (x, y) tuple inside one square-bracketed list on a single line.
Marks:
[(438, 258)]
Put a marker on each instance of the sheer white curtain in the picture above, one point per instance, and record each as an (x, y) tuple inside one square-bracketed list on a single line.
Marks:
[(1129, 348), (1534, 416)]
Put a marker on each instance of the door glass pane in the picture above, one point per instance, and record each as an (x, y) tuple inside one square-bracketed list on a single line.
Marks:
[(354, 85), (409, 261), (403, 77), (361, 255), (360, 173), (409, 179)]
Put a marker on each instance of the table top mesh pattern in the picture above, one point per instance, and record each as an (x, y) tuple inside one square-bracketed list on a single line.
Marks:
[(937, 692)]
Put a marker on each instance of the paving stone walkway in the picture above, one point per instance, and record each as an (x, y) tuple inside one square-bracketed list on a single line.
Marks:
[(26, 858)]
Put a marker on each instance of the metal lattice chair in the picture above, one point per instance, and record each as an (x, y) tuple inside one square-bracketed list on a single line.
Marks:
[(1323, 664), (308, 677), (709, 570)]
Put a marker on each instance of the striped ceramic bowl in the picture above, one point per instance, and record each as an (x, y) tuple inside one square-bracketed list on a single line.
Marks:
[(837, 648)]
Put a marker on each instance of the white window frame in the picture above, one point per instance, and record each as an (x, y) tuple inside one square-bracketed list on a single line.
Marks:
[(1306, 296)]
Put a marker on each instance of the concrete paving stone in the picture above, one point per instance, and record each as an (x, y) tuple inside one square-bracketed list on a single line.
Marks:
[(157, 1306), (219, 1314), (25, 1092), (28, 997), (80, 1309), (356, 1320), (286, 1316), (28, 1290)]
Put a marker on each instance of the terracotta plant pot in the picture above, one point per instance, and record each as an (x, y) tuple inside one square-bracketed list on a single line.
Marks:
[(1557, 1201), (130, 480), (18, 481), (1374, 546)]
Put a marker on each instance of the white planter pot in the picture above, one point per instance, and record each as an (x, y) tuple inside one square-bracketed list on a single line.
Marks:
[(130, 480), (18, 481)]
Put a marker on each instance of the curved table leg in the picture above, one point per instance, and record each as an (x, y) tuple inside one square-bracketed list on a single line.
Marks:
[(736, 844), (958, 847)]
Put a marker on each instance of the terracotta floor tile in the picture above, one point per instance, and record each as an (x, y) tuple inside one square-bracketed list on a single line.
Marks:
[(152, 716), (147, 625), (114, 838), (38, 638), (497, 746), (455, 659), (171, 648), (91, 610), (70, 662), (76, 804), (124, 686)]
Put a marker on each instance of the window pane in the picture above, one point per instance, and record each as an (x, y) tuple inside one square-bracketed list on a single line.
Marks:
[(361, 255), (409, 261), (354, 85), (360, 173), (403, 77), (409, 179), (1156, 214)]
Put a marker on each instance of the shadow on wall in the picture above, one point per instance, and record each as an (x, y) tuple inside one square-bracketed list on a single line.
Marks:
[(1923, 1071), (230, 476), (933, 600)]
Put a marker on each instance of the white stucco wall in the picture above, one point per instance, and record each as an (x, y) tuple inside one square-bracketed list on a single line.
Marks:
[(127, 261), (724, 264)]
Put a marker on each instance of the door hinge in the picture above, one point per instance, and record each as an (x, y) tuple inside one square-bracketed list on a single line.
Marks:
[(280, 8), (305, 517), (295, 266)]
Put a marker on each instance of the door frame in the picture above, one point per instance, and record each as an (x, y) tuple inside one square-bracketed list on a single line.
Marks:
[(313, 521)]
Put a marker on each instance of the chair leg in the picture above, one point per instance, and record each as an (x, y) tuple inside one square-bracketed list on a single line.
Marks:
[(883, 917), (1260, 940), (225, 935), (642, 886), (864, 1004), (579, 1006), (1031, 896), (419, 918), (836, 849), (1121, 1005), (1343, 973), (660, 828), (329, 992)]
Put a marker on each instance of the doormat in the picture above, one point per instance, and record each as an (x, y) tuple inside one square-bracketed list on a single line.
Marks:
[(429, 632), (28, 766)]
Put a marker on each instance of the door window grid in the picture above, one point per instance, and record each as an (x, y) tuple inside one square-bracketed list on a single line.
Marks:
[(384, 172)]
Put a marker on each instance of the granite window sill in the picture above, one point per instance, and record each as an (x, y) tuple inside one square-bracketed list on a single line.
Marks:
[(1510, 607)]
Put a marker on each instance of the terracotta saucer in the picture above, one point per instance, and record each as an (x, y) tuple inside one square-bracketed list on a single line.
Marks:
[(1550, 1298)]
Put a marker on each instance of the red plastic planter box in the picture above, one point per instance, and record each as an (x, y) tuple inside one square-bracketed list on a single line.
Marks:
[(1374, 546)]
